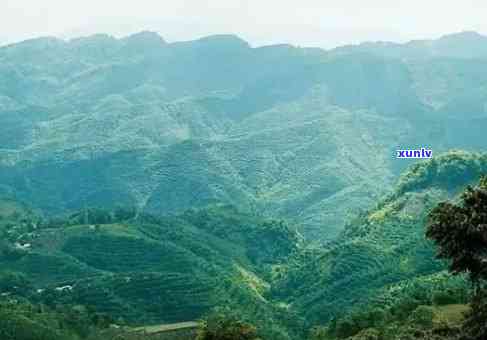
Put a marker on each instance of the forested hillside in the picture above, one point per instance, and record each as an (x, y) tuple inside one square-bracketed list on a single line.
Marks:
[(143, 270), (251, 193), (382, 248), (147, 270), (303, 134)]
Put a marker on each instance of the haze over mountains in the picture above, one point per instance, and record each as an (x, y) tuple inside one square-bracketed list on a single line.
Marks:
[(290, 132), (260, 180)]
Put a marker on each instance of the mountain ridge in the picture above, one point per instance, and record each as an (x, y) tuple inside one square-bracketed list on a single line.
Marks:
[(246, 117), (156, 36)]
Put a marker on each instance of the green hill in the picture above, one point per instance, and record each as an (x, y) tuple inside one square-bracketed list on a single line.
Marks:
[(145, 270), (296, 133), (385, 246), (263, 181), (150, 270)]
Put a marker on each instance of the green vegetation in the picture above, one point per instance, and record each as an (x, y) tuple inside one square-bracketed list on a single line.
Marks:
[(224, 327), (382, 247), (452, 170), (22, 320), (294, 133), (146, 270), (260, 189), (416, 309), (141, 269), (449, 310), (459, 231)]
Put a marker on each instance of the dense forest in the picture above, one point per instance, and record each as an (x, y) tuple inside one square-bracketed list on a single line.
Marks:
[(99, 273), (211, 190)]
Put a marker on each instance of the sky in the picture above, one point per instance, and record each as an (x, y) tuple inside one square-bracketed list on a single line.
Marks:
[(320, 23)]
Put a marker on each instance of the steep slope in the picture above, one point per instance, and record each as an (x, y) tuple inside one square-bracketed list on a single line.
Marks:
[(152, 270), (289, 132), (149, 270), (383, 247), (463, 45)]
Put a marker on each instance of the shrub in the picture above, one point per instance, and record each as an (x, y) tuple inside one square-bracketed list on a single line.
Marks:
[(368, 334), (443, 298), (221, 327), (423, 316)]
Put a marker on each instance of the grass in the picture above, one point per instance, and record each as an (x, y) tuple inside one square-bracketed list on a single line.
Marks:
[(158, 270), (451, 314), (259, 286)]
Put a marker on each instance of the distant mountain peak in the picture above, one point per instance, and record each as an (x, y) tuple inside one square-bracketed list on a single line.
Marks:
[(461, 45), (41, 42), (224, 40), (450, 170), (95, 40), (464, 35), (145, 37), (466, 44)]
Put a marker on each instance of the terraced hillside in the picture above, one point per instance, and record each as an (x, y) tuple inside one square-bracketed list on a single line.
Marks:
[(145, 270), (303, 134), (150, 270), (382, 250)]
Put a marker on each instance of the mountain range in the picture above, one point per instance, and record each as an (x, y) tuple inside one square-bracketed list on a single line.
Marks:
[(157, 182), (290, 132)]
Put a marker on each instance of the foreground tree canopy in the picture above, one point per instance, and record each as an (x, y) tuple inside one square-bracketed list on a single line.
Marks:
[(460, 231)]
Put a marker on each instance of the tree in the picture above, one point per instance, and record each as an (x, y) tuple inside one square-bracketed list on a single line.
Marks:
[(460, 232), (422, 316), (224, 327), (475, 327), (14, 282)]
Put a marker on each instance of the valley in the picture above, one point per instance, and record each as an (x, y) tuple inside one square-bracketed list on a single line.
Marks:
[(216, 185)]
